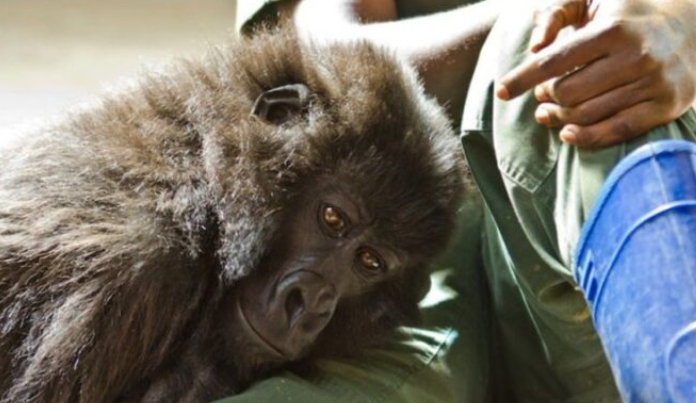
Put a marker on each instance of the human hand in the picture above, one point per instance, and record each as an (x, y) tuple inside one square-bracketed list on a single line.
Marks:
[(629, 66)]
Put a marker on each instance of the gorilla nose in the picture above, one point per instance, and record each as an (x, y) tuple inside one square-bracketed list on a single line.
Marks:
[(308, 299), (292, 314), (308, 302)]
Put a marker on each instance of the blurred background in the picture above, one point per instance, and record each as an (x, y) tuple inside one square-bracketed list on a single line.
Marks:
[(59, 53)]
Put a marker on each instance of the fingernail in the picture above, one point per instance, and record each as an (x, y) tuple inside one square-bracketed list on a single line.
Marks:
[(568, 135), (502, 92), (534, 40), (542, 116), (540, 94)]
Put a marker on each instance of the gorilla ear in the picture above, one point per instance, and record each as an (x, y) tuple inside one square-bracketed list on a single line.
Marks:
[(282, 104)]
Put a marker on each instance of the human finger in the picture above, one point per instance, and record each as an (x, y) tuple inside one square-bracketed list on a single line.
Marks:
[(584, 46), (592, 80), (619, 128), (596, 109), (551, 20)]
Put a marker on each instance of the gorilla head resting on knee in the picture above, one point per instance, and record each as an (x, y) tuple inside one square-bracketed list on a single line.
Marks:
[(217, 221)]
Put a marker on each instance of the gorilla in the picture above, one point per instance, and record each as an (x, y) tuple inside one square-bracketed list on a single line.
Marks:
[(218, 220)]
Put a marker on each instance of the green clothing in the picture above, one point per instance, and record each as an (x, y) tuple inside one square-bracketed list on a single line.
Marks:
[(537, 192), (512, 325)]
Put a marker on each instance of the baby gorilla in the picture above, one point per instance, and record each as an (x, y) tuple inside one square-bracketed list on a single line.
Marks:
[(218, 221)]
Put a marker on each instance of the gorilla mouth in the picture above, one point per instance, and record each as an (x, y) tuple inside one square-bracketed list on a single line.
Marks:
[(285, 316), (256, 335)]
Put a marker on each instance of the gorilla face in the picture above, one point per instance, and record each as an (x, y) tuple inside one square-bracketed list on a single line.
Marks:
[(327, 254)]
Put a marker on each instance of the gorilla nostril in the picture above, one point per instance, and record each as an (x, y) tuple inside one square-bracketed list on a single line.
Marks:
[(294, 305), (325, 302), (305, 295)]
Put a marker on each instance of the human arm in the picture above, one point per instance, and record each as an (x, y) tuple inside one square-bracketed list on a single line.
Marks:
[(632, 67), (443, 47)]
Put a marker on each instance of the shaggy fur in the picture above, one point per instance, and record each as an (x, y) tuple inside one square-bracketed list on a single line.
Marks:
[(124, 226)]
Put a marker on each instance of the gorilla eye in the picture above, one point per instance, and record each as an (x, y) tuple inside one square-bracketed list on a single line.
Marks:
[(371, 261), (333, 220)]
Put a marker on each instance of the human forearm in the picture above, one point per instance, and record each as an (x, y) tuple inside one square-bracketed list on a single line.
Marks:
[(443, 47)]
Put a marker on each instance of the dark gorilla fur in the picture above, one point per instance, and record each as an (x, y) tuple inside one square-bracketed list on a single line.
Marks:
[(123, 228)]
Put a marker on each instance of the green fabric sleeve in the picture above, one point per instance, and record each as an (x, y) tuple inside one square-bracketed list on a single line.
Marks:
[(384, 375), (538, 191)]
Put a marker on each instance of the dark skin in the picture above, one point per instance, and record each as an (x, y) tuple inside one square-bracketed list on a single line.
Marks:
[(632, 64), (651, 42), (443, 47), (325, 256)]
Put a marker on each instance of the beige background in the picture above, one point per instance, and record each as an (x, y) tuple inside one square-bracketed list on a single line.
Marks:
[(59, 53)]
